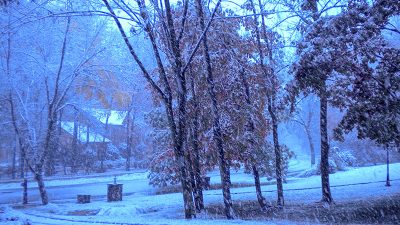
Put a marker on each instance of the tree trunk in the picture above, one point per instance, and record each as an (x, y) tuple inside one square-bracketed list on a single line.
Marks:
[(25, 191), (191, 172), (186, 188), (21, 162), (103, 149), (128, 141), (14, 162), (257, 183), (74, 158), (223, 165), (46, 148), (50, 162), (198, 191), (86, 161), (310, 141), (19, 140), (54, 148), (49, 153), (278, 155), (326, 191), (42, 189)]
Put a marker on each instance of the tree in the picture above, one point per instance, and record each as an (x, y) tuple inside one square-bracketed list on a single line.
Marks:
[(305, 121), (223, 165), (372, 104), (326, 65), (40, 83), (194, 141), (265, 54), (130, 124), (169, 40), (254, 130)]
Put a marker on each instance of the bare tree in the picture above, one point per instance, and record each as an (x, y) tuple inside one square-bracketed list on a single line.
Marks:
[(306, 124)]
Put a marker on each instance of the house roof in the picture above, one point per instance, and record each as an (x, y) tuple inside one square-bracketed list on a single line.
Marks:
[(82, 133)]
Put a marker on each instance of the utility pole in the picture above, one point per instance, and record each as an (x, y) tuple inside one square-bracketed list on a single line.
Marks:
[(387, 167)]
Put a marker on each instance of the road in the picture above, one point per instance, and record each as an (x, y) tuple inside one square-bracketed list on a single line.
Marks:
[(69, 192)]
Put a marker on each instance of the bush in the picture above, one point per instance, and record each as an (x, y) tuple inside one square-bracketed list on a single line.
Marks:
[(343, 158), (339, 160)]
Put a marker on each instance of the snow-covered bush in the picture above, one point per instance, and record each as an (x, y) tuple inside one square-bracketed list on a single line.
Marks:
[(339, 160), (342, 158), (316, 169)]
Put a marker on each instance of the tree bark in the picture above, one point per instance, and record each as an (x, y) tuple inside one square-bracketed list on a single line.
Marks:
[(312, 150), (42, 189), (257, 183), (103, 149), (50, 162), (198, 190), (191, 172), (74, 158), (326, 191), (223, 165), (25, 191), (129, 135), (48, 145), (14, 162), (278, 155), (21, 161)]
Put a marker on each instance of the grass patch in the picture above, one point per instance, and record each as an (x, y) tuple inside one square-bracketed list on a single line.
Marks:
[(384, 210)]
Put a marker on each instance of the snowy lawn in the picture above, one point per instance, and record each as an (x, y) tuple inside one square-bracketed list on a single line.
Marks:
[(168, 208)]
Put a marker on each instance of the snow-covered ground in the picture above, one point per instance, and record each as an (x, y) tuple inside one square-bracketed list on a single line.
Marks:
[(78, 181), (134, 182), (144, 208)]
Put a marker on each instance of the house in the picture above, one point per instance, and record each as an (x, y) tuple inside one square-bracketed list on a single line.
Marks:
[(113, 123)]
